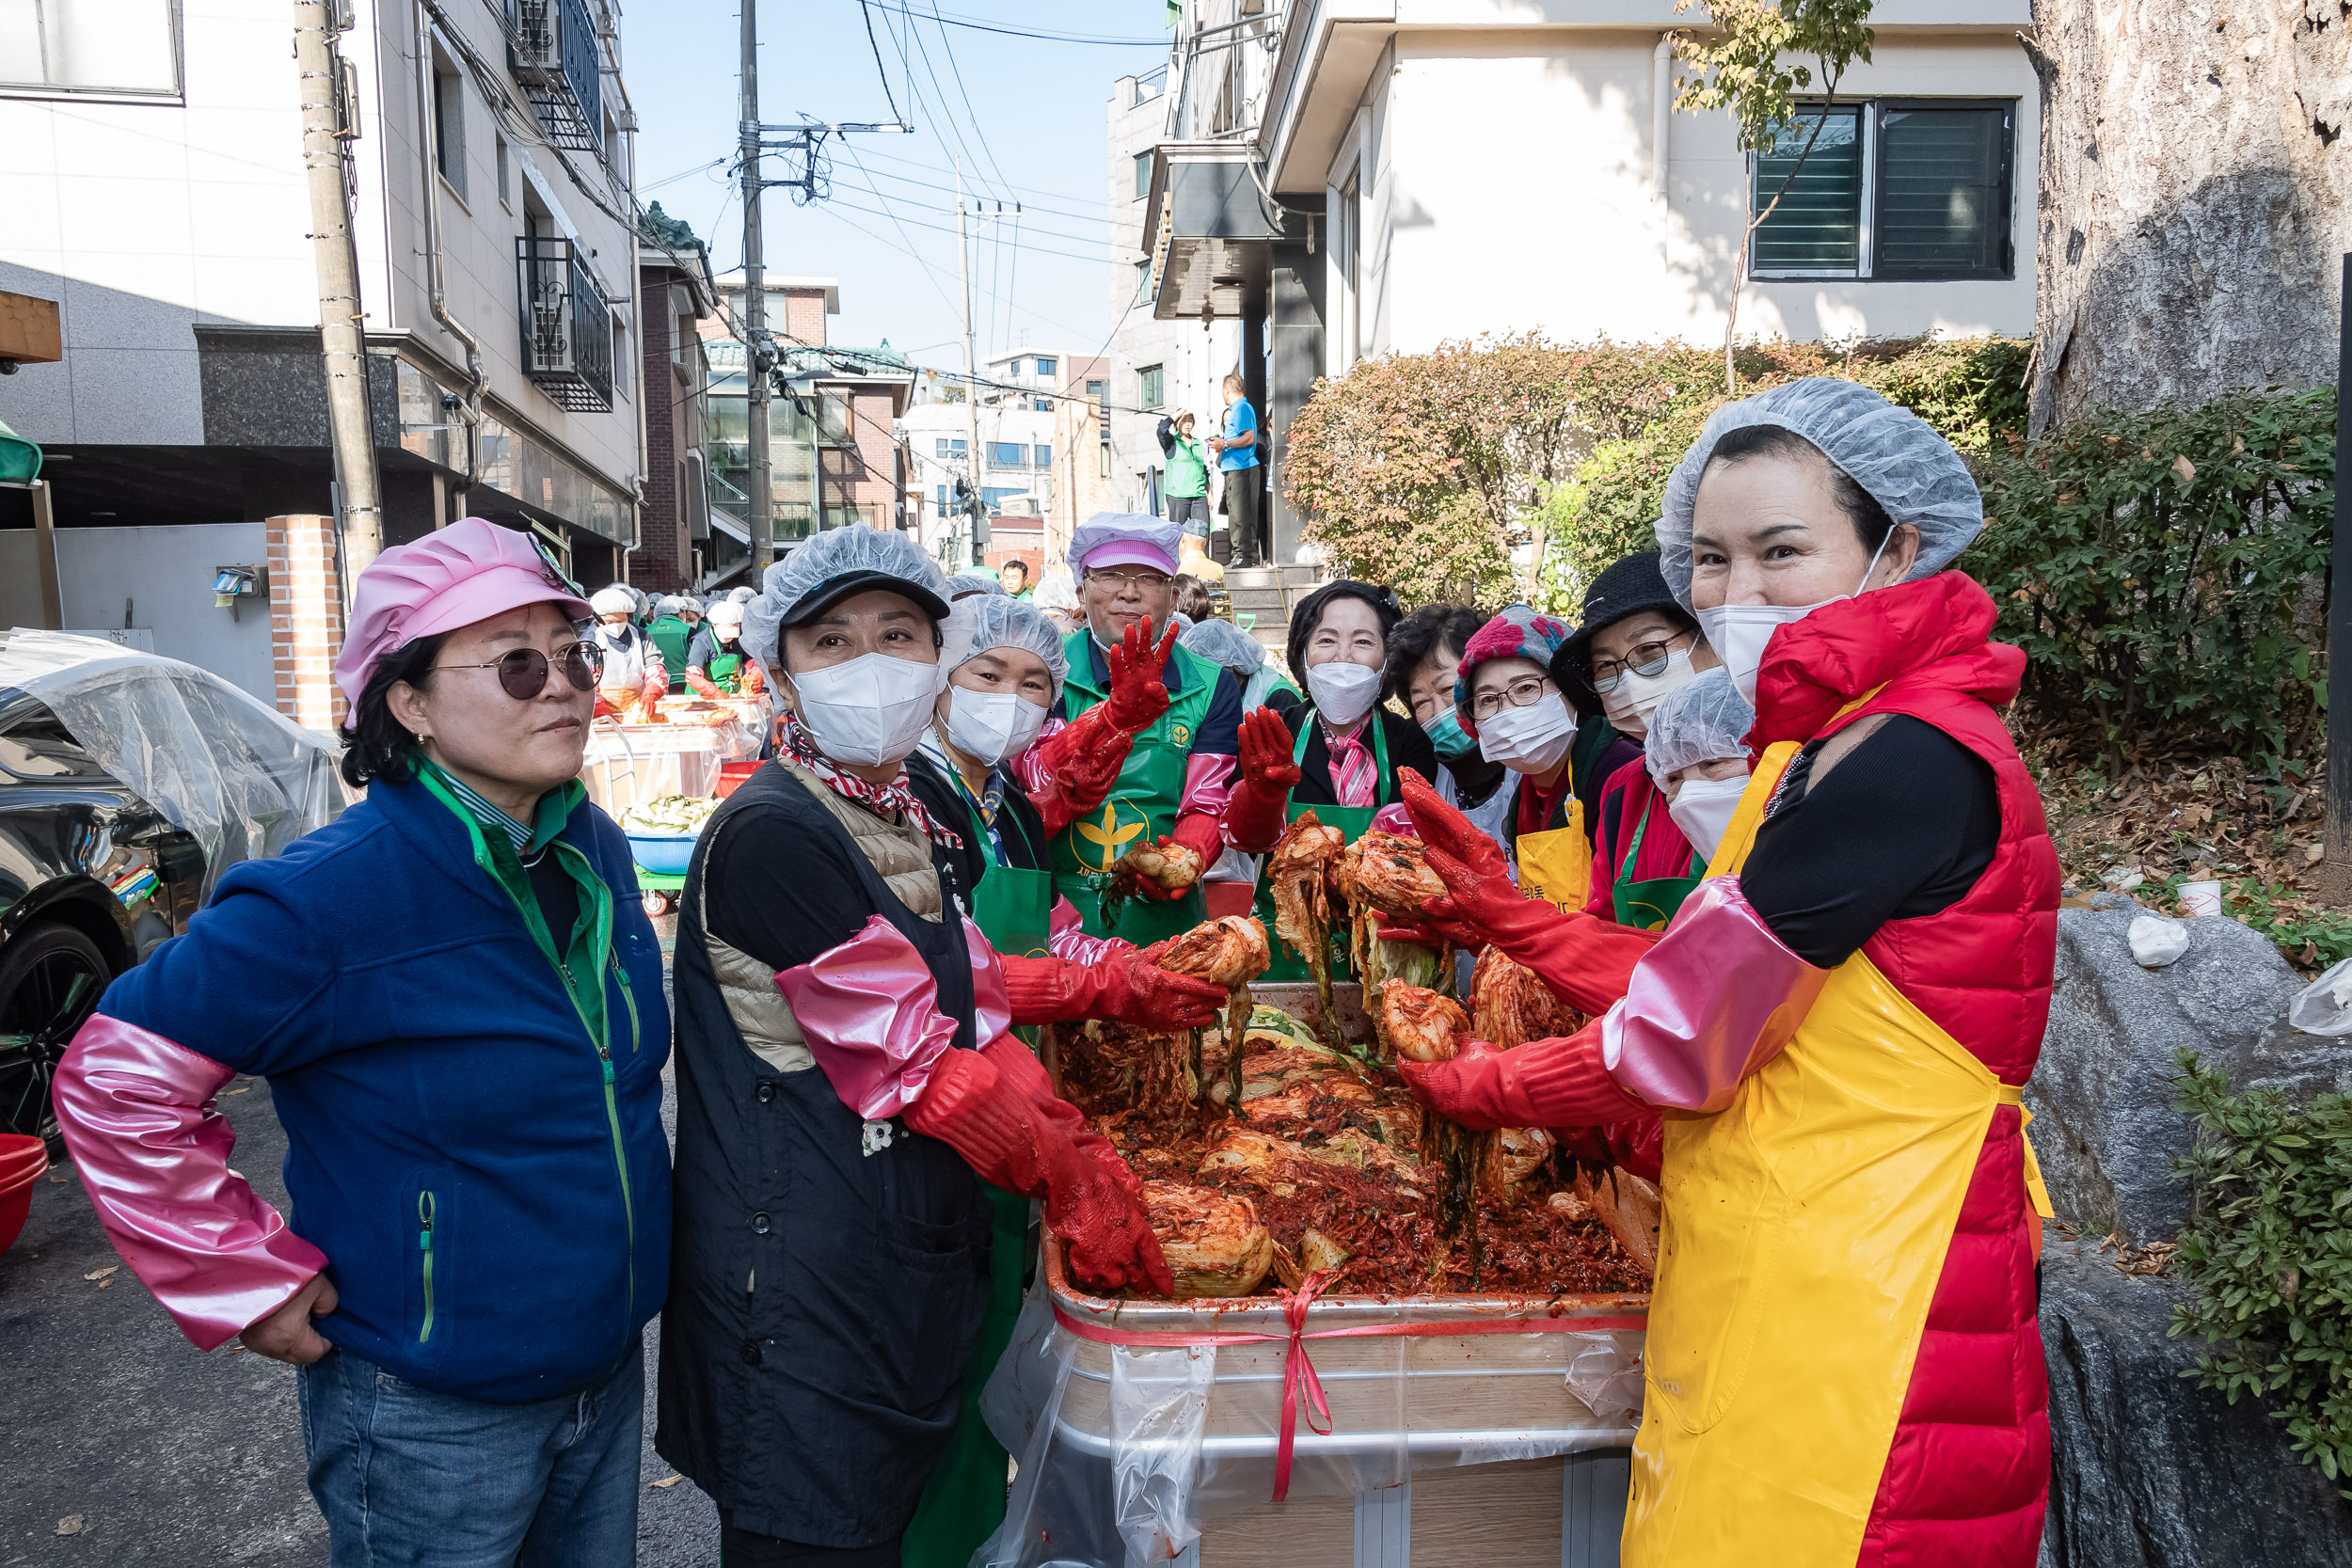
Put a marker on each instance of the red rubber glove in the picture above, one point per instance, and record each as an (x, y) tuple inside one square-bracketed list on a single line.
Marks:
[(1080, 762), (1123, 985), (1007, 1138), (1026, 1076), (1254, 812), (1587, 961), (1553, 1082), (703, 685), (1138, 695)]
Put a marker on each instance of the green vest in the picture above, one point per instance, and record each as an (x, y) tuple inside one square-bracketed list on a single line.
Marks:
[(1141, 805), (671, 635), (1187, 470)]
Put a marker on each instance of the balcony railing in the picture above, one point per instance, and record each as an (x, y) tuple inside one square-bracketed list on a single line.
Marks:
[(567, 326), (551, 45), (1224, 68)]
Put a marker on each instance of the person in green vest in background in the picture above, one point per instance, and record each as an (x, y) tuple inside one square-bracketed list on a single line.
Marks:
[(716, 664), (1199, 774), (1006, 668), (670, 632), (1186, 483)]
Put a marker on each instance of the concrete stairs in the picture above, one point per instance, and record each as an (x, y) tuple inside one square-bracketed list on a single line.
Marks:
[(1260, 600)]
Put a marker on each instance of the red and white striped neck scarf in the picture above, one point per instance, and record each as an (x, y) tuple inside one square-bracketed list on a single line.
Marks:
[(895, 796)]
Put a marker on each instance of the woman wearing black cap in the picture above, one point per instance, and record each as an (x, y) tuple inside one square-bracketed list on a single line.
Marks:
[(1635, 645), (1349, 747)]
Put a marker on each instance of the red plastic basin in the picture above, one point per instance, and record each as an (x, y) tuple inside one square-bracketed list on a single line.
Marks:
[(23, 1160)]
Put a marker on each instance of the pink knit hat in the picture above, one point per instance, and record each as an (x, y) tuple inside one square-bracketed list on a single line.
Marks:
[(470, 571)]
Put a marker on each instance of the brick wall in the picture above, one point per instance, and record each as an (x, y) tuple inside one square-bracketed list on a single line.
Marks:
[(663, 554), (306, 621), (804, 315)]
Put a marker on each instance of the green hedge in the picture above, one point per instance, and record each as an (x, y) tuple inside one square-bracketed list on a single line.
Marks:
[(2162, 570)]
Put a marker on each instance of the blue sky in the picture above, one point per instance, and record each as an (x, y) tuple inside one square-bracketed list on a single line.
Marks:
[(1025, 115)]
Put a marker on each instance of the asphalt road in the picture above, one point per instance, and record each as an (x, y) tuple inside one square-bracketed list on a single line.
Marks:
[(172, 1459)]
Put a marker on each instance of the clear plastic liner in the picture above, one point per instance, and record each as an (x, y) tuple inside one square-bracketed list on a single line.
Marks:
[(242, 779), (1124, 1451)]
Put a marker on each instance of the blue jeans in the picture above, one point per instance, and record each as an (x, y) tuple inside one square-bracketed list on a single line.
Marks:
[(435, 1480)]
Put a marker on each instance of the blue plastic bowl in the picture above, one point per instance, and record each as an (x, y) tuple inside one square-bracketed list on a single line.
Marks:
[(667, 854)]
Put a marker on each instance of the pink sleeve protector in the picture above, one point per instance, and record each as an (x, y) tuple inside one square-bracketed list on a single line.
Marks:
[(1069, 940), (1395, 817), (1209, 778), (137, 1116), (869, 1012), (1717, 998)]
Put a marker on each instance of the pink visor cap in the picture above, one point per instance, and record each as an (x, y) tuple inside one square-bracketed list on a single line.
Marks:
[(470, 571), (1126, 539)]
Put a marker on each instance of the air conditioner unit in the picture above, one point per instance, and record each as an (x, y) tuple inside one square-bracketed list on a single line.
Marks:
[(535, 39)]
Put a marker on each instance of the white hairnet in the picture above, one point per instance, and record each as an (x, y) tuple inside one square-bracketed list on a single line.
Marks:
[(611, 599), (975, 580), (1058, 590), (743, 595), (1884, 447), (833, 553), (1222, 642), (1702, 719), (977, 623)]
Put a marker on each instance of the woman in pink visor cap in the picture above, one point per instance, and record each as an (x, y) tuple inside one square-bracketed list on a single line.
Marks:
[(456, 1001)]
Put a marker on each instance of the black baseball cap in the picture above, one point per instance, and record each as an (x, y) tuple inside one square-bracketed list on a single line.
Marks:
[(835, 589)]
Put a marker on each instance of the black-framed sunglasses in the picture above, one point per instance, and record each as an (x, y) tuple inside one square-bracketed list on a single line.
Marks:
[(523, 672), (1648, 660)]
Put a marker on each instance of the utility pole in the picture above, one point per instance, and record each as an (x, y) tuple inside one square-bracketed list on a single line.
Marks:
[(976, 508), (343, 343), (758, 356)]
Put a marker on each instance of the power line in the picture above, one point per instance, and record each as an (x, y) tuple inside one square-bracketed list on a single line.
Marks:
[(948, 18), (1026, 206), (880, 70), (971, 114), (1033, 190), (928, 265), (1034, 249)]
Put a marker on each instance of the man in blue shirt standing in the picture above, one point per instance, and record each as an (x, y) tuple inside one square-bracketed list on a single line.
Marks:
[(1237, 460)]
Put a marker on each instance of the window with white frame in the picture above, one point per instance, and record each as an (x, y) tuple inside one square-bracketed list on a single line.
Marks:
[(1143, 175), (98, 46), (1007, 454), (1893, 189), (1045, 367), (1044, 454), (950, 449)]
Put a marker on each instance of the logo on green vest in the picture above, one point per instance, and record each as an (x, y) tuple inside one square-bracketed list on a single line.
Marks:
[(1110, 835), (1180, 734)]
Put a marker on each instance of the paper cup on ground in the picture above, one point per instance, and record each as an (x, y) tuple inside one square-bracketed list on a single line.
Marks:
[(2201, 899)]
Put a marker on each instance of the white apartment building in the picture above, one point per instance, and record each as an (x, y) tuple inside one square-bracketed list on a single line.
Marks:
[(151, 183), (1015, 404), (1159, 364), (1353, 178)]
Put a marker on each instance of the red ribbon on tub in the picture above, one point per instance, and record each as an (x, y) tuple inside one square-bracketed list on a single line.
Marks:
[(1298, 1370)]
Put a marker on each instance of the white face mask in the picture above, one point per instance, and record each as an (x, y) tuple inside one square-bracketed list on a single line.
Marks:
[(1634, 698), (1344, 692), (869, 712), (1701, 809), (990, 727), (1741, 633), (1529, 739)]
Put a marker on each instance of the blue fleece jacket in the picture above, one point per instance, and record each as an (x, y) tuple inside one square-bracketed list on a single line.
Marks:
[(496, 1223)]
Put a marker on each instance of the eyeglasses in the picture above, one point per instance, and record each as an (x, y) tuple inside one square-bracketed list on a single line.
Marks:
[(523, 673), (1117, 581), (1517, 694), (1645, 659)]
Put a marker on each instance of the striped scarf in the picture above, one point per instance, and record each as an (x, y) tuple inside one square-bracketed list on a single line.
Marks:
[(1355, 774), (895, 796)]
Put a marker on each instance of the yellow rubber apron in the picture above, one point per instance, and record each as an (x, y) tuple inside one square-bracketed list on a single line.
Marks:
[(1805, 1229), (1556, 865)]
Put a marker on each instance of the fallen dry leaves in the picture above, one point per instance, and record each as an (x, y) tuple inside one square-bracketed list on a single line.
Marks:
[(102, 1273), (70, 1524)]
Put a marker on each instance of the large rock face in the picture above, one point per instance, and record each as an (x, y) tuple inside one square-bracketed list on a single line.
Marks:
[(2149, 1471), (2103, 1125)]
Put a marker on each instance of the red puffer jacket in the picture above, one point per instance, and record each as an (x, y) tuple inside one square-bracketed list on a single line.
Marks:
[(1968, 1476)]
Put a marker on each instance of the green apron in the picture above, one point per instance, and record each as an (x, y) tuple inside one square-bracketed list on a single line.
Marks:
[(672, 636), (1141, 806), (1649, 904), (964, 1500), (1352, 822), (725, 672)]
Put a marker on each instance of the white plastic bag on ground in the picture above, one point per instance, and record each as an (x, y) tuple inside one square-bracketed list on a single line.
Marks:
[(2325, 1006)]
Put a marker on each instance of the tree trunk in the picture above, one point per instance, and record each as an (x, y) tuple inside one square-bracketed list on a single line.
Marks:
[(2196, 197)]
